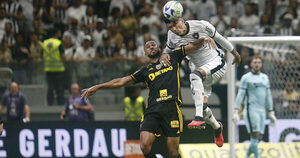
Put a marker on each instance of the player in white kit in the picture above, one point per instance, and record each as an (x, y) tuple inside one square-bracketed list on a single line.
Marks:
[(207, 66)]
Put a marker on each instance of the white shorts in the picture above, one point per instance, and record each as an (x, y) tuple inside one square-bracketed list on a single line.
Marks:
[(214, 70)]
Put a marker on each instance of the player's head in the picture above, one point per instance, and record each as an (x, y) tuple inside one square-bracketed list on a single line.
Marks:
[(14, 89), (178, 26), (152, 50), (256, 64)]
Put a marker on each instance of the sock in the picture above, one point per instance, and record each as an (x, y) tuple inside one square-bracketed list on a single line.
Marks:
[(253, 148), (150, 155), (197, 92), (210, 119)]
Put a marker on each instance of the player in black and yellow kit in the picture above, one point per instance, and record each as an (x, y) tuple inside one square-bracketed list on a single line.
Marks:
[(163, 115)]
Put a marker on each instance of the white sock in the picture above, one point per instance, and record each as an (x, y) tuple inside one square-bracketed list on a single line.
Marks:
[(210, 119), (197, 93)]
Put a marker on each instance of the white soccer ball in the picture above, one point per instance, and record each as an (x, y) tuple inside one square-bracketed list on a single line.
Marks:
[(172, 10)]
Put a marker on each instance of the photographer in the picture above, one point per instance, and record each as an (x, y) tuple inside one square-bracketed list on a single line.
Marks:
[(77, 109)]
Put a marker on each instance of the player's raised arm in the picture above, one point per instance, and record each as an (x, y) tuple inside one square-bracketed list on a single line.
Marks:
[(213, 33), (191, 47), (115, 83)]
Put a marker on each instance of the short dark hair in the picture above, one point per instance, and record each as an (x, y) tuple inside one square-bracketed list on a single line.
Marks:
[(256, 57)]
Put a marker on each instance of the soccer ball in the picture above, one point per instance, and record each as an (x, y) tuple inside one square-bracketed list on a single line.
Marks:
[(172, 10)]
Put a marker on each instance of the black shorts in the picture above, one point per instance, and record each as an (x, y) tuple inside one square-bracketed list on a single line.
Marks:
[(166, 121)]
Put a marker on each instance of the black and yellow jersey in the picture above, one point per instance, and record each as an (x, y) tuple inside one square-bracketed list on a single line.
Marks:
[(163, 82)]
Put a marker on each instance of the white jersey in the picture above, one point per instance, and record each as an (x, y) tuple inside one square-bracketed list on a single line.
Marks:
[(196, 29)]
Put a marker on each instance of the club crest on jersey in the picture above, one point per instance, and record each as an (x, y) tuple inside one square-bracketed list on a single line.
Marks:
[(196, 35), (158, 66)]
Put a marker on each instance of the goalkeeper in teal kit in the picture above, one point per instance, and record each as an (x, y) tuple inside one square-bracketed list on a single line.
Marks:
[(255, 88)]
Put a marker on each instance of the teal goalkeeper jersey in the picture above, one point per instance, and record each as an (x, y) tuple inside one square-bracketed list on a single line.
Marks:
[(256, 89)]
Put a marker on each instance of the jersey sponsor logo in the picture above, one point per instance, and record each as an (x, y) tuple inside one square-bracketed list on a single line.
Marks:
[(163, 95), (196, 35), (258, 84), (174, 124), (164, 98), (153, 75)]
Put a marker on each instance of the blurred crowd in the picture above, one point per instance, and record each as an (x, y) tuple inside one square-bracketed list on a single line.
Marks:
[(109, 31)]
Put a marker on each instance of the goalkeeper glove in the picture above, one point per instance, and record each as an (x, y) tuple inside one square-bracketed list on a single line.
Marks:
[(235, 116), (272, 117)]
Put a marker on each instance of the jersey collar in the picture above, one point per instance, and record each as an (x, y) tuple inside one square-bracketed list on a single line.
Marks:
[(187, 27)]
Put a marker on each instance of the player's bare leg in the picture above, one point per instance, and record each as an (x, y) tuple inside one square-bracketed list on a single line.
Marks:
[(173, 146), (197, 78), (217, 126), (146, 141)]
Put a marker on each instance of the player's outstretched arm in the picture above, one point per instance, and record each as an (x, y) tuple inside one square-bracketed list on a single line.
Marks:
[(115, 83), (228, 46), (191, 47)]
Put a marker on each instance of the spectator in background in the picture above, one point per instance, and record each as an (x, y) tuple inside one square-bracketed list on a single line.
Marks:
[(9, 35), (286, 28), (70, 71), (46, 16), (128, 24), (220, 21), (60, 7), (69, 48), (121, 5), (129, 57), (76, 109), (234, 8), (89, 20), (150, 20), (54, 67), (16, 105), (115, 36), (108, 52), (204, 9), (134, 104), (83, 56), (14, 11), (98, 33), (41, 34), (36, 55), (265, 26), (20, 62), (291, 101), (140, 39), (5, 54), (3, 21), (249, 21), (107, 55), (115, 17), (28, 15), (74, 32), (77, 11), (141, 58)]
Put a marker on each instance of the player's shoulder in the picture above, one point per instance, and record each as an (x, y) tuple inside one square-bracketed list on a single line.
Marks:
[(198, 22), (171, 34), (247, 75), (264, 75)]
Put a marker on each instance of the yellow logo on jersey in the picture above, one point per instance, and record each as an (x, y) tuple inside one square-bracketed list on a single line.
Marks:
[(175, 124), (150, 69), (159, 72), (163, 93)]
